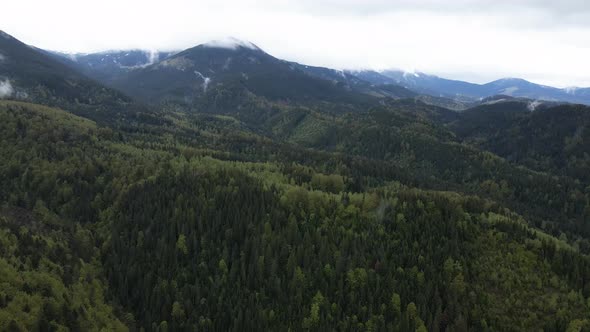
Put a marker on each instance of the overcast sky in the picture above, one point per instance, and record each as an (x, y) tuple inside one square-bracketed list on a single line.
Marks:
[(545, 41)]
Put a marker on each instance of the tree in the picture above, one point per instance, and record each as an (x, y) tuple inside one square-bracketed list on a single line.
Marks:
[(178, 312), (396, 306), (181, 244)]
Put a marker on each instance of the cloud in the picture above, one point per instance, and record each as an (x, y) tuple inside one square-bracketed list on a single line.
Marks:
[(541, 13), (6, 89), (534, 104), (230, 43), (153, 57), (379, 6), (206, 80)]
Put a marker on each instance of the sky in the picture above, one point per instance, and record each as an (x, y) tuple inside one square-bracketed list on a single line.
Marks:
[(544, 41)]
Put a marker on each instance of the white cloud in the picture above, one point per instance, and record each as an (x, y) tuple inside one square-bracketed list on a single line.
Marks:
[(153, 57), (206, 80), (230, 43), (6, 89), (534, 104), (543, 41)]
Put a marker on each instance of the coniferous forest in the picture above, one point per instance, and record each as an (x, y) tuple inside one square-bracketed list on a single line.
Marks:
[(256, 207)]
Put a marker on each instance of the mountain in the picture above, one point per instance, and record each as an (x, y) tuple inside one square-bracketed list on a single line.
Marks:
[(351, 82), (118, 69), (468, 92), (348, 80), (235, 66), (372, 76), (26, 73), (423, 83), (521, 88), (108, 66)]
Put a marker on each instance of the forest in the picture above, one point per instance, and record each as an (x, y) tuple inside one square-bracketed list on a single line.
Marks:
[(199, 222)]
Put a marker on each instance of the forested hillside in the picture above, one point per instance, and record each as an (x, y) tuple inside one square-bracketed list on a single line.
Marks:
[(160, 227), (552, 139)]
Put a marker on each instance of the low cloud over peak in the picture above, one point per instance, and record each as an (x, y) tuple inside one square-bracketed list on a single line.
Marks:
[(230, 43)]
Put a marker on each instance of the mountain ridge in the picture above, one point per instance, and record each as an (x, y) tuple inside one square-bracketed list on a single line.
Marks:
[(438, 86)]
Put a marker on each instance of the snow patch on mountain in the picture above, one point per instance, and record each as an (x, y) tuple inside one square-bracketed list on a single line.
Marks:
[(254, 60), (494, 101), (2, 57), (410, 73), (72, 56), (510, 91), (231, 43), (227, 63)]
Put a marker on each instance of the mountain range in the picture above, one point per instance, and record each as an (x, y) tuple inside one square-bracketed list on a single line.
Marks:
[(109, 65), (137, 71), (122, 68), (437, 86)]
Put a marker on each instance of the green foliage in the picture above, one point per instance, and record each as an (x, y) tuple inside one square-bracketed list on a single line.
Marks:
[(45, 283), (555, 139), (211, 225)]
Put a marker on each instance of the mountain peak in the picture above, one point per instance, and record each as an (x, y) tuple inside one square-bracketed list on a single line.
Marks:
[(231, 43)]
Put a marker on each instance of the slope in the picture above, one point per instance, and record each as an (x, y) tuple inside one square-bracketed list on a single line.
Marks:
[(552, 138), (109, 66), (239, 67), (30, 74)]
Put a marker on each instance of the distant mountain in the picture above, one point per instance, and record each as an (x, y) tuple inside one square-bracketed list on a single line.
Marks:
[(27, 73), (110, 65), (33, 74), (422, 83), (352, 82), (234, 66), (521, 88), (347, 79), (433, 85), (372, 76), (464, 91), (419, 84)]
